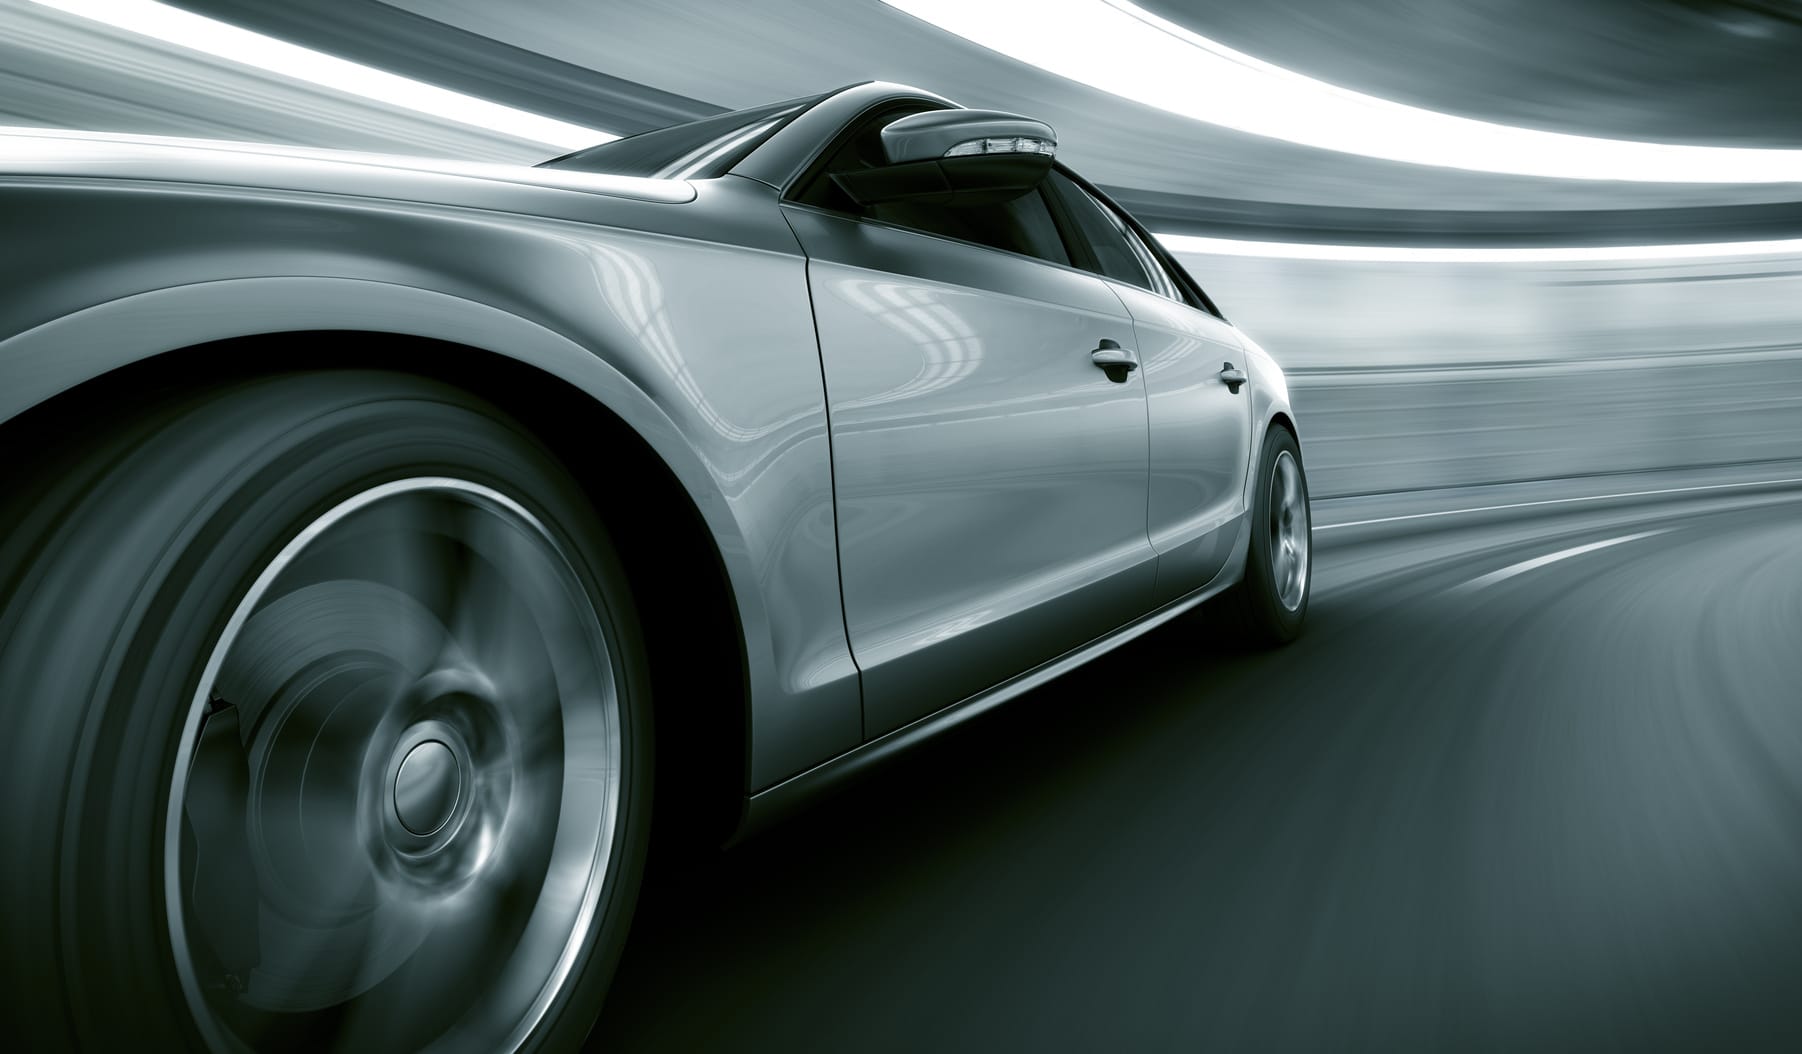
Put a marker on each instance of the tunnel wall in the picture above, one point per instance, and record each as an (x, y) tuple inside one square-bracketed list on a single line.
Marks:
[(1411, 375)]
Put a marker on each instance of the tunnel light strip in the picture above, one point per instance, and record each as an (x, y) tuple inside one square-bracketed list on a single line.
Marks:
[(1119, 48), (1198, 245), (212, 37), (185, 29)]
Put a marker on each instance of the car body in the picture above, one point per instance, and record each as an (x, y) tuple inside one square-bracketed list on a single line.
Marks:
[(919, 492)]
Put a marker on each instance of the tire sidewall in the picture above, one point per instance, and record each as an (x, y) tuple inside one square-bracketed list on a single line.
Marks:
[(214, 489), (1274, 620)]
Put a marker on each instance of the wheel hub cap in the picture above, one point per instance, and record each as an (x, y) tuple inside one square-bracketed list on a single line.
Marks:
[(427, 787), (402, 776), (1289, 532)]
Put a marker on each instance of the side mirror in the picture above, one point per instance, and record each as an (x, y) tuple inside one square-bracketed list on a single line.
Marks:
[(955, 157)]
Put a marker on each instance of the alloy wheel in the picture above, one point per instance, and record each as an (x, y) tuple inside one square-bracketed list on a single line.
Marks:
[(394, 808)]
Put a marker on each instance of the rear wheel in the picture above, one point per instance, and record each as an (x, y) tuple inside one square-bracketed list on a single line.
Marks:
[(1267, 607), (334, 735)]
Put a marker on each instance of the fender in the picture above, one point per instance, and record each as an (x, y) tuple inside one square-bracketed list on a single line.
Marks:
[(66, 352), (1269, 390)]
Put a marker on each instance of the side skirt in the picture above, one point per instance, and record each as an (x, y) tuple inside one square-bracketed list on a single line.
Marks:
[(779, 800)]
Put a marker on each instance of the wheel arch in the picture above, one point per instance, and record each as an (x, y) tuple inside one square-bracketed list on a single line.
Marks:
[(1281, 419), (606, 430)]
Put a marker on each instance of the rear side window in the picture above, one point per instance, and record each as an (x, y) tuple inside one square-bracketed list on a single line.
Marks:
[(1161, 282), (1101, 232), (1023, 225), (1117, 250)]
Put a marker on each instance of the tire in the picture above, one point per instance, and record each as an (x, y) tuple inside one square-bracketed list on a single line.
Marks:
[(313, 689), (1269, 605)]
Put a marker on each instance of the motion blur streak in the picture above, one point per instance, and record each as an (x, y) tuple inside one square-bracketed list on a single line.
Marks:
[(1586, 499), (1555, 816), (1177, 70), (59, 70), (1423, 374), (174, 26), (1530, 781), (1190, 243)]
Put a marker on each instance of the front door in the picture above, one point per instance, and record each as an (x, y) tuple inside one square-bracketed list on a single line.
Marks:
[(991, 480)]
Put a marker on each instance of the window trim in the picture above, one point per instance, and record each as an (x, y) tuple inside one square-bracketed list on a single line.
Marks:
[(1075, 246), (1162, 284), (1188, 290), (1045, 198), (903, 228), (1081, 253), (1075, 232)]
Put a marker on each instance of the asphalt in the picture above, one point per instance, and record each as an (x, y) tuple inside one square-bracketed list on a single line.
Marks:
[(1488, 802)]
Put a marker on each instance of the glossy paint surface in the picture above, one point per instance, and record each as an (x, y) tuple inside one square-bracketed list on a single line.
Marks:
[(993, 485), (688, 316), (1200, 436), (991, 480)]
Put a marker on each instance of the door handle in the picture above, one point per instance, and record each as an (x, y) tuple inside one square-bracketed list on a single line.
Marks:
[(1232, 377), (1115, 360)]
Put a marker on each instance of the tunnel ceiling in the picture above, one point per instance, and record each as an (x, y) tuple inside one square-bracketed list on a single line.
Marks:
[(628, 65), (734, 55), (1722, 72)]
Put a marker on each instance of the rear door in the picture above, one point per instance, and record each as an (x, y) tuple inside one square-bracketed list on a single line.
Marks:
[(991, 481), (1200, 442)]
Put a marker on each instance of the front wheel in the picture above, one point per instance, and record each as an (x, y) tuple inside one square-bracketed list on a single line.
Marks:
[(328, 729), (1270, 604)]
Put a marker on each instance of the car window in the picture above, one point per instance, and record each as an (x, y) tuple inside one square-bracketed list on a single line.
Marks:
[(1113, 255), (1023, 225), (1118, 251), (1161, 282)]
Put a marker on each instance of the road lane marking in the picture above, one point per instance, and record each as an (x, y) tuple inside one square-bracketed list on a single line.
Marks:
[(1559, 501), (1484, 581)]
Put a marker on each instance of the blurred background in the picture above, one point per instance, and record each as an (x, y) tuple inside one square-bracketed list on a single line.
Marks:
[(1461, 304), (1515, 255)]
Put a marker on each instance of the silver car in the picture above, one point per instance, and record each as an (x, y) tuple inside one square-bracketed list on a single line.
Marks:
[(365, 517)]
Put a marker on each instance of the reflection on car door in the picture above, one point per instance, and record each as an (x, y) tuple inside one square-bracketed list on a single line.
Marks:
[(990, 480), (1200, 428)]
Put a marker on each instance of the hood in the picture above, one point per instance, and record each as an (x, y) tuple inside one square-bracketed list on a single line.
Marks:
[(33, 154)]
